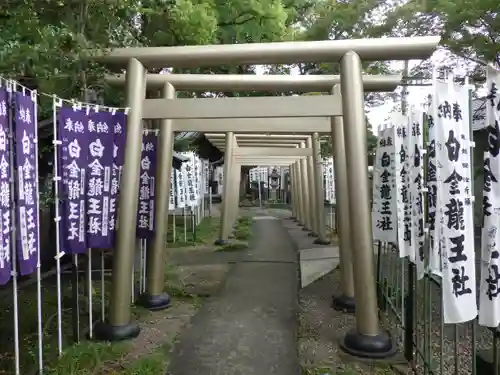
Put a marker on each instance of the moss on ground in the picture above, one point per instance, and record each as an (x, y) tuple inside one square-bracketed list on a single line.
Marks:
[(242, 235)]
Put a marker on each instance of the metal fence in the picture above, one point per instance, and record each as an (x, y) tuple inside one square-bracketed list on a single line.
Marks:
[(412, 310), (46, 314)]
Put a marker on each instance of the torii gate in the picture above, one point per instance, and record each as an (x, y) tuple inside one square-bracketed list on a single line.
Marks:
[(310, 203), (367, 339)]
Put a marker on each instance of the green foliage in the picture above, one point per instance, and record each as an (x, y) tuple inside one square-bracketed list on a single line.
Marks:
[(203, 234), (233, 246), (469, 28), (45, 42)]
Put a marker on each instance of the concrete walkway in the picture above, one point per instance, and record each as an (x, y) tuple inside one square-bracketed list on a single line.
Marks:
[(250, 328)]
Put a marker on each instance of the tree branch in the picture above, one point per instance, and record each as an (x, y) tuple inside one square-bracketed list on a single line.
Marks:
[(237, 21)]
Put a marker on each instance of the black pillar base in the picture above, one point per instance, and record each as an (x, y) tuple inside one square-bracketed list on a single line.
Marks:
[(312, 234), (154, 303), (221, 242), (344, 303), (305, 229), (319, 241), (485, 362), (364, 346), (103, 331)]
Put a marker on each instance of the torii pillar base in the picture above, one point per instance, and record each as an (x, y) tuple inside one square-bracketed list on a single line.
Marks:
[(344, 303), (367, 346), (103, 331), (319, 241), (154, 303)]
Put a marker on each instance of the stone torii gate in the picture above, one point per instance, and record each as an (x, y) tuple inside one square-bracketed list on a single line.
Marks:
[(367, 339)]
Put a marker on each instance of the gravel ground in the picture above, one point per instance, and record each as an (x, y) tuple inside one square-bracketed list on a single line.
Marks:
[(321, 328), (447, 349)]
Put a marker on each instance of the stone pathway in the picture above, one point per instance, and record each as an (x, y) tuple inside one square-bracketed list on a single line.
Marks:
[(250, 327)]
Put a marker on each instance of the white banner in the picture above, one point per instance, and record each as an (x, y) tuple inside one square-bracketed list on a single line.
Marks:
[(205, 177), (400, 139), (489, 297), (252, 174), (329, 178), (171, 201), (190, 181), (384, 218), (219, 173), (416, 186), (454, 201), (432, 192), (200, 182), (263, 175), (180, 188)]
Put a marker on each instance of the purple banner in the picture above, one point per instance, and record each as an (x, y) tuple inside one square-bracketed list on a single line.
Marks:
[(146, 209), (5, 198), (74, 153), (27, 235), (118, 121), (100, 163)]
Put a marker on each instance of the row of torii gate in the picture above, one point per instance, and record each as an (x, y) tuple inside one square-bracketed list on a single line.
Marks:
[(300, 152), (292, 122)]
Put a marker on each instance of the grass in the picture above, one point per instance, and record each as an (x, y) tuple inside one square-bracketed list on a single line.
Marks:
[(278, 205), (205, 233), (95, 358), (91, 358), (87, 357), (28, 324), (327, 370), (154, 363), (84, 358), (242, 235)]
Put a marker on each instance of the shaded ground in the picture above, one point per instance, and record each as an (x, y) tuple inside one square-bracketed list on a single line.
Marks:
[(250, 327), (443, 348), (189, 280), (321, 328)]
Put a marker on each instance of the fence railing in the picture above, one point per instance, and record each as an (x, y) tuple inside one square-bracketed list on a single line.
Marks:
[(82, 284), (413, 311)]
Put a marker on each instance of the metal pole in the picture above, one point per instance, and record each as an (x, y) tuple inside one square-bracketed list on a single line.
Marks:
[(308, 202), (291, 188), (233, 199), (210, 180), (259, 191), (312, 189), (236, 199), (295, 192), (302, 189), (366, 340), (225, 225), (119, 325), (320, 192), (154, 297), (299, 193), (345, 301)]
